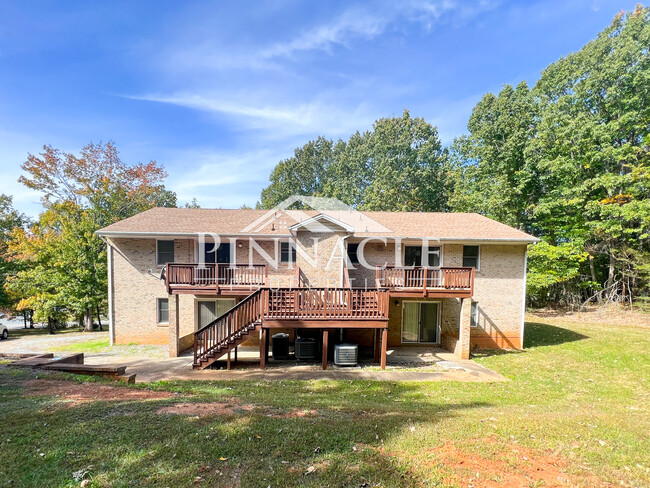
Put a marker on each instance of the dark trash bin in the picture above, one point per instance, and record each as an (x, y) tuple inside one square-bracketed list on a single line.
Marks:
[(281, 345)]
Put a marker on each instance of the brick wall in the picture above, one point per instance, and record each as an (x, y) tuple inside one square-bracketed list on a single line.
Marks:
[(135, 290)]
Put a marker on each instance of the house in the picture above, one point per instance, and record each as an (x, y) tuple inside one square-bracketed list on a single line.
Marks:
[(211, 280)]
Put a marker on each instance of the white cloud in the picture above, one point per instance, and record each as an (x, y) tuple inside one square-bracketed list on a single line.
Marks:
[(226, 179), (277, 121)]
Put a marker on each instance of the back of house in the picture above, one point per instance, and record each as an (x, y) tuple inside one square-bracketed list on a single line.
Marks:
[(212, 279)]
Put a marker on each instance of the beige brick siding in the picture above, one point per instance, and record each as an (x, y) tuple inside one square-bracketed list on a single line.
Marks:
[(137, 287), (499, 291)]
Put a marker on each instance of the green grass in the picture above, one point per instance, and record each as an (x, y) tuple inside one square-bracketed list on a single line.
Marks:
[(103, 345), (95, 345), (580, 392)]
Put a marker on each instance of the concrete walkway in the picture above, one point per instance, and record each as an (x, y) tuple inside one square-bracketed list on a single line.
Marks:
[(404, 364)]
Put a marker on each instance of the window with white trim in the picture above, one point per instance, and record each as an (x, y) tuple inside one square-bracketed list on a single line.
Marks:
[(473, 322), (471, 256), (164, 252), (287, 252), (162, 310)]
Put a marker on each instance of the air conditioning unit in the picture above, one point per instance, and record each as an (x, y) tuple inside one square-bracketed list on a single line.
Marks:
[(346, 354), (306, 348)]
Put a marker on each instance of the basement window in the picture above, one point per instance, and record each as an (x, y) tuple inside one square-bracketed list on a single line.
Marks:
[(162, 310), (474, 315)]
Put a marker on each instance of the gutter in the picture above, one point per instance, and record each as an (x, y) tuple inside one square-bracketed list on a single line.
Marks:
[(459, 240)]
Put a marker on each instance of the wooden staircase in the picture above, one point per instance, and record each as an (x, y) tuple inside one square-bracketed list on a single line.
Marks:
[(228, 331)]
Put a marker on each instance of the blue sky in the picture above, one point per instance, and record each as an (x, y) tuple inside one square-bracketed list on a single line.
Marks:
[(219, 92)]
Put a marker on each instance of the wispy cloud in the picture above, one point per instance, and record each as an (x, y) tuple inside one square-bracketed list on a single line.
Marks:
[(221, 178), (279, 121)]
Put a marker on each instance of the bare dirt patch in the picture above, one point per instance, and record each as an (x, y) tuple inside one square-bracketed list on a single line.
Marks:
[(512, 466), (77, 393), (205, 409)]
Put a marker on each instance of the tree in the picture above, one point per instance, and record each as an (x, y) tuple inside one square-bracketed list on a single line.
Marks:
[(408, 166), (64, 261), (10, 219), (193, 204), (589, 147), (399, 165), (302, 174), (493, 175), (99, 180)]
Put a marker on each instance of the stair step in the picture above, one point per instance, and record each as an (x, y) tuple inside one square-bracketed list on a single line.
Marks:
[(127, 378)]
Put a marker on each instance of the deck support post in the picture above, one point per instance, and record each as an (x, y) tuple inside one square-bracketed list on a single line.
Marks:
[(377, 346), (172, 310), (464, 330), (228, 361), (384, 345), (266, 345), (325, 337), (237, 347), (263, 348)]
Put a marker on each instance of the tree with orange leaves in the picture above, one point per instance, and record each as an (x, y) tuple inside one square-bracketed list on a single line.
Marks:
[(63, 270)]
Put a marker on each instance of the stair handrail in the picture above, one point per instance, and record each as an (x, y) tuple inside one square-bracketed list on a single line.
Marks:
[(211, 334)]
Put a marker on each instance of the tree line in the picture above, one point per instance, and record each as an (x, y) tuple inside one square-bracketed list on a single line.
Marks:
[(567, 160)]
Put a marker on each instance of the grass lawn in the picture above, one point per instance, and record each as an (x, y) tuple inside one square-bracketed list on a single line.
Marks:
[(103, 345), (575, 413)]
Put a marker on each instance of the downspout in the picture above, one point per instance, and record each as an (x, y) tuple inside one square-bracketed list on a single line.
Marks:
[(109, 257)]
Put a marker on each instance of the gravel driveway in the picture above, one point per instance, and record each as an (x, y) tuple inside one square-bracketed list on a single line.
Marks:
[(45, 343)]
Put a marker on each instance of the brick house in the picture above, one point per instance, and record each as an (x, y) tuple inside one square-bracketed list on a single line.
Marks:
[(212, 279)]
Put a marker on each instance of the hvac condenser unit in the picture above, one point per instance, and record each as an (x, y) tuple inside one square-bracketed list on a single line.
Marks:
[(306, 348), (346, 354)]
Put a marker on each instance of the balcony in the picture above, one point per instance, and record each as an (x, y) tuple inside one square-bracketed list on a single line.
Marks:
[(214, 279), (444, 282)]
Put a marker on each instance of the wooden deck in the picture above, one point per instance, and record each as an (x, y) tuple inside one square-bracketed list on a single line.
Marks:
[(320, 308), (443, 282)]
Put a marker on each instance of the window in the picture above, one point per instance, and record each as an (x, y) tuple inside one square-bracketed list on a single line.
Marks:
[(285, 249), (474, 315), (352, 253), (413, 256), (162, 311), (471, 257), (164, 252), (221, 255)]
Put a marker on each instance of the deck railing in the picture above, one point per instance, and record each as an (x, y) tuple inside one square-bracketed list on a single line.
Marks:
[(225, 329), (211, 275), (326, 303), (419, 277)]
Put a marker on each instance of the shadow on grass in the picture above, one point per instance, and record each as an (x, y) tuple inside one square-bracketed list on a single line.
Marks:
[(538, 334), (128, 442)]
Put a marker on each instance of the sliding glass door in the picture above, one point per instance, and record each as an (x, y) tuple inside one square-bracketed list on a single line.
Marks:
[(420, 322), (208, 310)]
